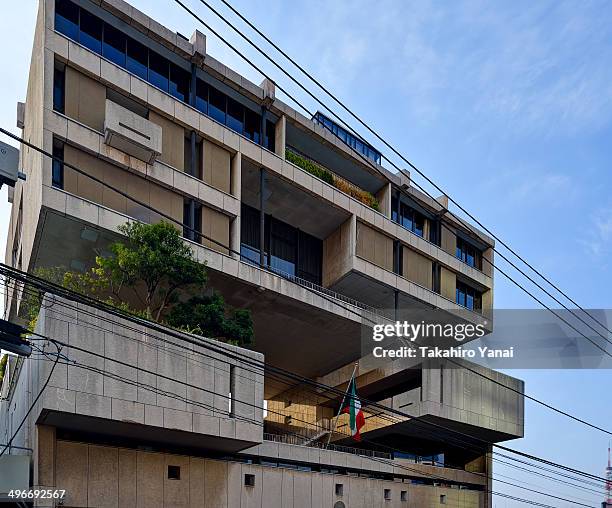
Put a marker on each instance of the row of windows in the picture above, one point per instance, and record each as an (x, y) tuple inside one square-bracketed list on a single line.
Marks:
[(468, 297), (348, 138), (469, 254), (286, 248), (103, 39), (407, 217)]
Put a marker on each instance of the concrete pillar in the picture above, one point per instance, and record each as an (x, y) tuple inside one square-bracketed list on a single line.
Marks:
[(236, 175), (280, 136), (44, 456), (384, 199)]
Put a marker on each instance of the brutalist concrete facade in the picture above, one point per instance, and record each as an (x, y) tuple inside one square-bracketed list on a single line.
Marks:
[(165, 149)]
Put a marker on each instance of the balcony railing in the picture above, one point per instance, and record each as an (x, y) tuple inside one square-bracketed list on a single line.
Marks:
[(297, 440), (314, 168)]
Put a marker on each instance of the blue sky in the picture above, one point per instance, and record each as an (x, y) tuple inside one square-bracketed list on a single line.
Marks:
[(507, 105)]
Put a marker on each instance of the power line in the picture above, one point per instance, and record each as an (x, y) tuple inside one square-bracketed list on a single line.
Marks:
[(248, 40), (58, 343), (44, 386), (378, 136), (75, 296)]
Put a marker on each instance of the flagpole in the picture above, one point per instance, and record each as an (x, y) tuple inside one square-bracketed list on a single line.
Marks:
[(341, 404)]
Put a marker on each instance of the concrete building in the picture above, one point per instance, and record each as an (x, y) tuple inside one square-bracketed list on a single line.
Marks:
[(148, 111)]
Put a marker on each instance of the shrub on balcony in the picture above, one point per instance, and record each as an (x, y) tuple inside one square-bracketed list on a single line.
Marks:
[(153, 274), (327, 176), (310, 166)]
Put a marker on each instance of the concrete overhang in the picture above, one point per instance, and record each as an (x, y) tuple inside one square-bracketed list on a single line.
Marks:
[(293, 205), (307, 333), (345, 165), (138, 434)]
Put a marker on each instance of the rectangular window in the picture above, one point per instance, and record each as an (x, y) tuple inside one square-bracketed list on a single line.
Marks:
[(216, 105), (137, 58), (159, 71), (442, 498), (339, 489), (404, 496), (201, 96), (252, 125), (283, 246), (249, 480), (387, 494), (59, 87), (235, 114), (174, 472), (468, 253), (270, 135), (468, 297), (90, 33), (192, 223), (196, 169), (179, 83), (57, 166), (114, 46), (67, 19)]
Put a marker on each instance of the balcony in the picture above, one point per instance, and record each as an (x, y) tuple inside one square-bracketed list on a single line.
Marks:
[(325, 174), (131, 133)]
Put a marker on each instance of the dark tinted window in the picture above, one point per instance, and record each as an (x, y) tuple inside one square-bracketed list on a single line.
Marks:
[(179, 83), (59, 88), (202, 96), (216, 105), (137, 58), (67, 19), (270, 135), (235, 112), (114, 45), (90, 34), (252, 124), (57, 167), (159, 71)]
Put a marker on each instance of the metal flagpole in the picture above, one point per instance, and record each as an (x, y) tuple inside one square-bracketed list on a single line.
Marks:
[(341, 404)]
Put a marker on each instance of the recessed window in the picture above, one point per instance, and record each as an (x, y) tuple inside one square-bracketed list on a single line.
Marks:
[(67, 18), (387, 494), (339, 489), (179, 83), (57, 166), (174, 472), (469, 254), (404, 496), (216, 106), (114, 46), (442, 498), (59, 87), (90, 33), (159, 71), (137, 58), (468, 297), (249, 480)]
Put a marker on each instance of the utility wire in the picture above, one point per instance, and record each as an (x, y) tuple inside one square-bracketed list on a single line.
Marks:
[(140, 369), (379, 137), (46, 383), (59, 290)]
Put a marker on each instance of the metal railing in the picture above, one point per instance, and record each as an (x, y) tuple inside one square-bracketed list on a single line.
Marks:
[(297, 440), (374, 311)]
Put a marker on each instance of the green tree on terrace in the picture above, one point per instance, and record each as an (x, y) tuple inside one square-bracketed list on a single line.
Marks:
[(153, 273)]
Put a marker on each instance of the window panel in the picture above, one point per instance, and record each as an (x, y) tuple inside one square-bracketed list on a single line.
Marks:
[(59, 88), (159, 71), (57, 167), (252, 124), (235, 113), (90, 33), (270, 135), (216, 105), (179, 83), (201, 96), (114, 46), (67, 19), (137, 58)]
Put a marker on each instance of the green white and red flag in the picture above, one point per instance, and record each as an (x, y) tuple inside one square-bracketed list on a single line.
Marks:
[(352, 406)]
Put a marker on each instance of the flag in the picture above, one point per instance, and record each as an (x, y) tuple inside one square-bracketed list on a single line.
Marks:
[(352, 406)]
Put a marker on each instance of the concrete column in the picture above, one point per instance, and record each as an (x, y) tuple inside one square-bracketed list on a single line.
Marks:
[(280, 136), (44, 456), (236, 175)]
